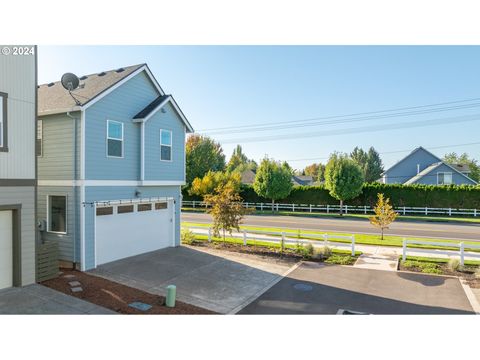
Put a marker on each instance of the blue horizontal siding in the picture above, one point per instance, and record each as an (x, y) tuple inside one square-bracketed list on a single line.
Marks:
[(431, 177), (99, 193), (155, 169), (120, 105), (407, 168)]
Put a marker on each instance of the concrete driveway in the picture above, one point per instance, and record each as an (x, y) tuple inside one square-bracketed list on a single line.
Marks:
[(38, 299), (324, 289), (216, 280)]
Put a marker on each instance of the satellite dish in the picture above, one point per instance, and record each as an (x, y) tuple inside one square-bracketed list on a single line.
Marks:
[(70, 81)]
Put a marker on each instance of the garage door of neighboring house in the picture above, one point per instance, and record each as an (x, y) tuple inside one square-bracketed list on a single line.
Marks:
[(124, 229), (6, 249)]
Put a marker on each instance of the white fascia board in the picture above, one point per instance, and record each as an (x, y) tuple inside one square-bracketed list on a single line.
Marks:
[(84, 183), (154, 81)]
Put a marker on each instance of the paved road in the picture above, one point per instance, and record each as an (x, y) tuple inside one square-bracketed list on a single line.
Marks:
[(361, 226), (324, 289)]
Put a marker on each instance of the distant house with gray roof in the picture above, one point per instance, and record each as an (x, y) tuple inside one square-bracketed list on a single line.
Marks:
[(248, 178), (423, 167)]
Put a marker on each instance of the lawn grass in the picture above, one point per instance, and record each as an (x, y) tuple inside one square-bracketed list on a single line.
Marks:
[(439, 218), (423, 259), (364, 239)]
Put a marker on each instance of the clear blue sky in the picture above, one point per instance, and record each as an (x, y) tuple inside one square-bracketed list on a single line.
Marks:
[(224, 86)]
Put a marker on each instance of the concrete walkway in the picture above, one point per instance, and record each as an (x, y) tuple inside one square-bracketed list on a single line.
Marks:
[(38, 299)]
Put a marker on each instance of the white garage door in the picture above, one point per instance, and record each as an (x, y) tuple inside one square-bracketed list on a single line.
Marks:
[(125, 230), (6, 249)]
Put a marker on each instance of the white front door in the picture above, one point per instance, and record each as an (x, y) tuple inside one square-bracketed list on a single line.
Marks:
[(131, 229), (6, 249)]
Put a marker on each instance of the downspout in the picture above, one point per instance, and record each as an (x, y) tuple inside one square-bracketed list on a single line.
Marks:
[(142, 151), (75, 188)]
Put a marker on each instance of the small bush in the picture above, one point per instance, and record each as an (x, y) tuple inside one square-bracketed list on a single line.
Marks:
[(424, 267), (299, 250), (187, 237), (453, 264), (309, 250), (322, 253)]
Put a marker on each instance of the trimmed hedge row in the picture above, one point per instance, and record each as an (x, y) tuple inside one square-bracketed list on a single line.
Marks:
[(451, 196)]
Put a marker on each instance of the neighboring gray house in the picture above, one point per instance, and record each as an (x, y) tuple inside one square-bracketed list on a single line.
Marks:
[(423, 167), (248, 177), (18, 88), (111, 165)]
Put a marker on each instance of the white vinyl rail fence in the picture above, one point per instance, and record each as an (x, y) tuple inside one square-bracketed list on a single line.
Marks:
[(461, 252), (402, 210), (282, 238)]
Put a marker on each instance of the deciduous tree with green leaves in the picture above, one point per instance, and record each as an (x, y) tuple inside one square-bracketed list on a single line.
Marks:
[(226, 209), (384, 214), (317, 171), (464, 159), (202, 154), (343, 178), (273, 180), (239, 161)]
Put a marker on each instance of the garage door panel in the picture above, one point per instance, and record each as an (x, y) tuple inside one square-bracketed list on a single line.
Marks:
[(6, 249), (121, 235)]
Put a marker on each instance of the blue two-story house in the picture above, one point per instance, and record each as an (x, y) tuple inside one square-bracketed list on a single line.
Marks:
[(111, 163), (423, 167)]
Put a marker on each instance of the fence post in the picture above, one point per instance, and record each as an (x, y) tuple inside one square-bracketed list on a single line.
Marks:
[(474, 212), (244, 237), (277, 207), (209, 234), (426, 210), (404, 255), (353, 245), (404, 211), (328, 210), (261, 206), (365, 209), (282, 244), (449, 211), (346, 209), (193, 202), (462, 253), (325, 239), (293, 207), (310, 207)]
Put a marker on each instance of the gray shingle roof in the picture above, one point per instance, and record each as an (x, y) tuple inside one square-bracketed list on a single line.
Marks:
[(461, 167), (150, 107), (422, 173), (53, 98)]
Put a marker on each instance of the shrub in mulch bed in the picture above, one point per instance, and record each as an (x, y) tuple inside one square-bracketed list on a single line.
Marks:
[(116, 297), (466, 272)]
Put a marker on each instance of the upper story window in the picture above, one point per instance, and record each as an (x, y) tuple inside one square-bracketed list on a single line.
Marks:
[(165, 145), (445, 178), (39, 142), (3, 122), (114, 139)]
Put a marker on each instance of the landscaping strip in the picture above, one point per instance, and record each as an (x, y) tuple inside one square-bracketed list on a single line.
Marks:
[(118, 297)]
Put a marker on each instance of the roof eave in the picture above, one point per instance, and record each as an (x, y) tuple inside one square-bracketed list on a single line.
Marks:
[(59, 111)]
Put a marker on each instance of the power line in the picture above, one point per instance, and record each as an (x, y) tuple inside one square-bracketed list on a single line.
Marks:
[(344, 121), (394, 151), (372, 128), (341, 116)]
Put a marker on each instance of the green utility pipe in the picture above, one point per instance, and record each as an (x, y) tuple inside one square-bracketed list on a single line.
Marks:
[(171, 294)]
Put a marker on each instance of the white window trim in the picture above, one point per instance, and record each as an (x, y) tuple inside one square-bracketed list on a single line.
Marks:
[(444, 173), (66, 215), (171, 145), (109, 138)]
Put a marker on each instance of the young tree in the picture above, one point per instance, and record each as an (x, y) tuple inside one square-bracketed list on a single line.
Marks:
[(464, 159), (226, 208), (343, 178), (384, 214), (273, 180), (213, 180), (360, 157), (202, 154)]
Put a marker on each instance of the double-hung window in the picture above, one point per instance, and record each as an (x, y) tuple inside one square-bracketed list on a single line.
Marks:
[(444, 178), (3, 122), (57, 214), (114, 139), (165, 145)]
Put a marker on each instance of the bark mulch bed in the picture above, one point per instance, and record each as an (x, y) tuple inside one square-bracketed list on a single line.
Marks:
[(115, 296), (466, 273)]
